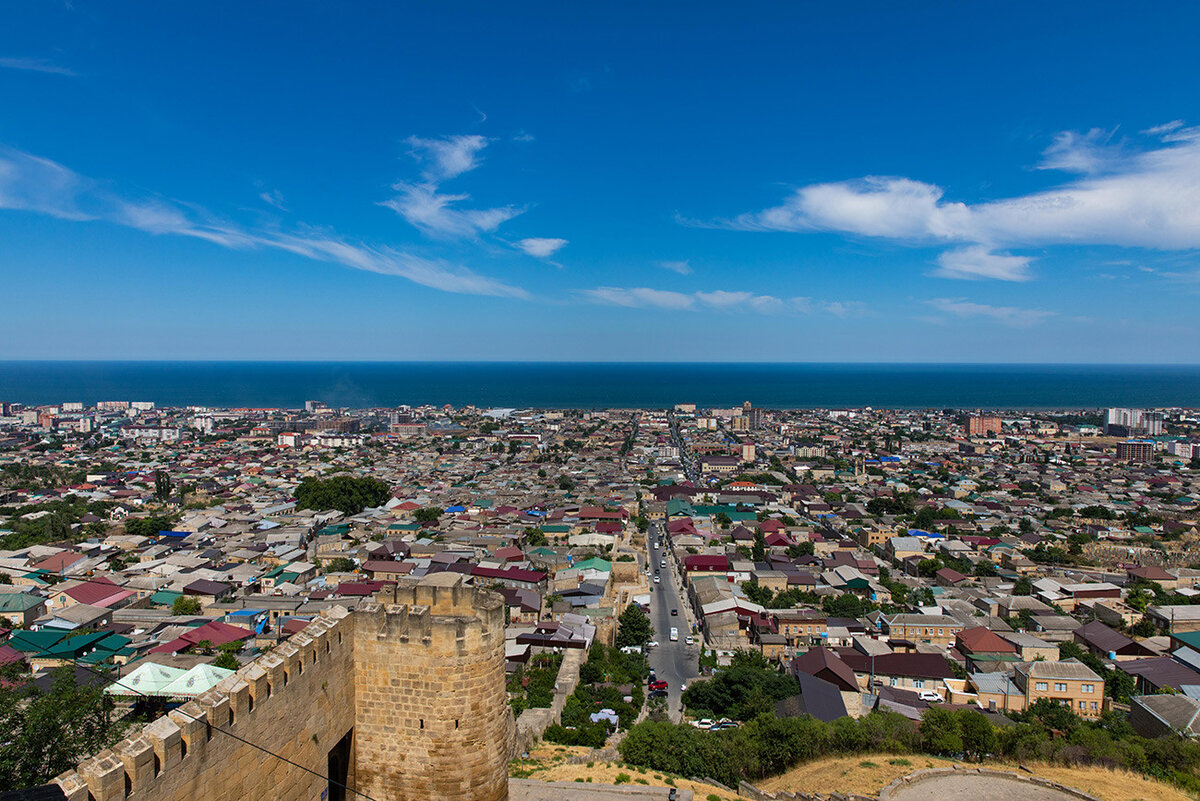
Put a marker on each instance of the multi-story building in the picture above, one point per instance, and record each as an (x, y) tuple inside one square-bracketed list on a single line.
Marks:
[(983, 425), (1133, 422), (1069, 682), (940, 629), (1135, 450)]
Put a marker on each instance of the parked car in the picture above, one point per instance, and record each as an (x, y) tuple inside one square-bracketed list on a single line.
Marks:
[(658, 693), (690, 640), (930, 697), (703, 723), (652, 644), (658, 685), (683, 688)]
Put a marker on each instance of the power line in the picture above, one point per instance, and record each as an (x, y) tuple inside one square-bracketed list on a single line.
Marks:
[(77, 663)]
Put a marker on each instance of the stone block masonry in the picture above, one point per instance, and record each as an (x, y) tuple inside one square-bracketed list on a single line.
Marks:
[(401, 699), (432, 717)]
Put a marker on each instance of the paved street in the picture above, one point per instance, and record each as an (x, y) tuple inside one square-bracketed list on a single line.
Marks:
[(674, 662)]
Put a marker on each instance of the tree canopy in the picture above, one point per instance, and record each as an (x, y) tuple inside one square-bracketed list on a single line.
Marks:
[(347, 494)]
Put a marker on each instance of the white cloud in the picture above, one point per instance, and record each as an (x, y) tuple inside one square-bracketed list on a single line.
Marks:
[(845, 308), (36, 65), (1009, 315), (33, 184), (447, 156), (681, 267), (720, 300), (273, 198), (423, 207), (1148, 198), (976, 261), (542, 248), (639, 297)]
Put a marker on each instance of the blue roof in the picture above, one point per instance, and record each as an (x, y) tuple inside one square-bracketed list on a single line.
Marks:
[(175, 534), (450, 509)]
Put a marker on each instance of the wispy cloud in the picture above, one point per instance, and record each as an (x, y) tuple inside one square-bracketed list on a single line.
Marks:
[(424, 207), (36, 65), (1121, 196), (542, 248), (1009, 315), (681, 267), (273, 198), (716, 300), (845, 308), (38, 185), (447, 156), (976, 261)]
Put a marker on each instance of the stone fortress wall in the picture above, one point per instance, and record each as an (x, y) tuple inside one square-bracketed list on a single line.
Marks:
[(401, 699)]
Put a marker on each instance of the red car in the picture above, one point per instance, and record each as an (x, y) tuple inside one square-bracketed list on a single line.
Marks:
[(658, 685)]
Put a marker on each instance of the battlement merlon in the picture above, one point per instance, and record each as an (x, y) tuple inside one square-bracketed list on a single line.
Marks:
[(445, 594)]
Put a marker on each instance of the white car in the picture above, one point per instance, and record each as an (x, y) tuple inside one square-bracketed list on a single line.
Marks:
[(703, 723), (683, 688), (652, 644), (657, 580), (690, 640), (930, 697)]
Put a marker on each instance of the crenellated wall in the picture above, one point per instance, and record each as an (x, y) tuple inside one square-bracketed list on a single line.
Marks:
[(432, 719), (405, 694)]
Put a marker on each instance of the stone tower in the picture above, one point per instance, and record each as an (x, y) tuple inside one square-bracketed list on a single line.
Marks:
[(431, 714)]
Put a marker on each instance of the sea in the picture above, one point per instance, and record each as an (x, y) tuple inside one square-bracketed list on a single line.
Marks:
[(606, 385)]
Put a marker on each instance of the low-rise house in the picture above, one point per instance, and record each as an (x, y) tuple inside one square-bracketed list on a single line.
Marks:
[(1068, 682)]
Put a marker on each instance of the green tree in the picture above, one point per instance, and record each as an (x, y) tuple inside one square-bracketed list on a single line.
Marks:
[(185, 605), (941, 731), (427, 514), (760, 547), (47, 733), (162, 486), (340, 564), (227, 658), (978, 736), (633, 627), (347, 494)]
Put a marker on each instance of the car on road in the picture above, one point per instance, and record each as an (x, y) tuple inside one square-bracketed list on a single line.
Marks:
[(930, 697), (657, 579), (663, 563), (674, 613), (674, 635), (658, 685), (690, 640)]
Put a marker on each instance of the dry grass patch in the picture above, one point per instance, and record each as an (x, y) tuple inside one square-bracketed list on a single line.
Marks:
[(607, 772), (869, 775)]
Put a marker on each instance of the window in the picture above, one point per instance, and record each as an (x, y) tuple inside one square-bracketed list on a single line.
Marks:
[(1089, 688), (1093, 706), (1041, 686), (1083, 705), (919, 684), (1060, 686), (939, 632)]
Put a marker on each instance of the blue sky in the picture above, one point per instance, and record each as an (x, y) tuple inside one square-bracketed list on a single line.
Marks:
[(628, 182)]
